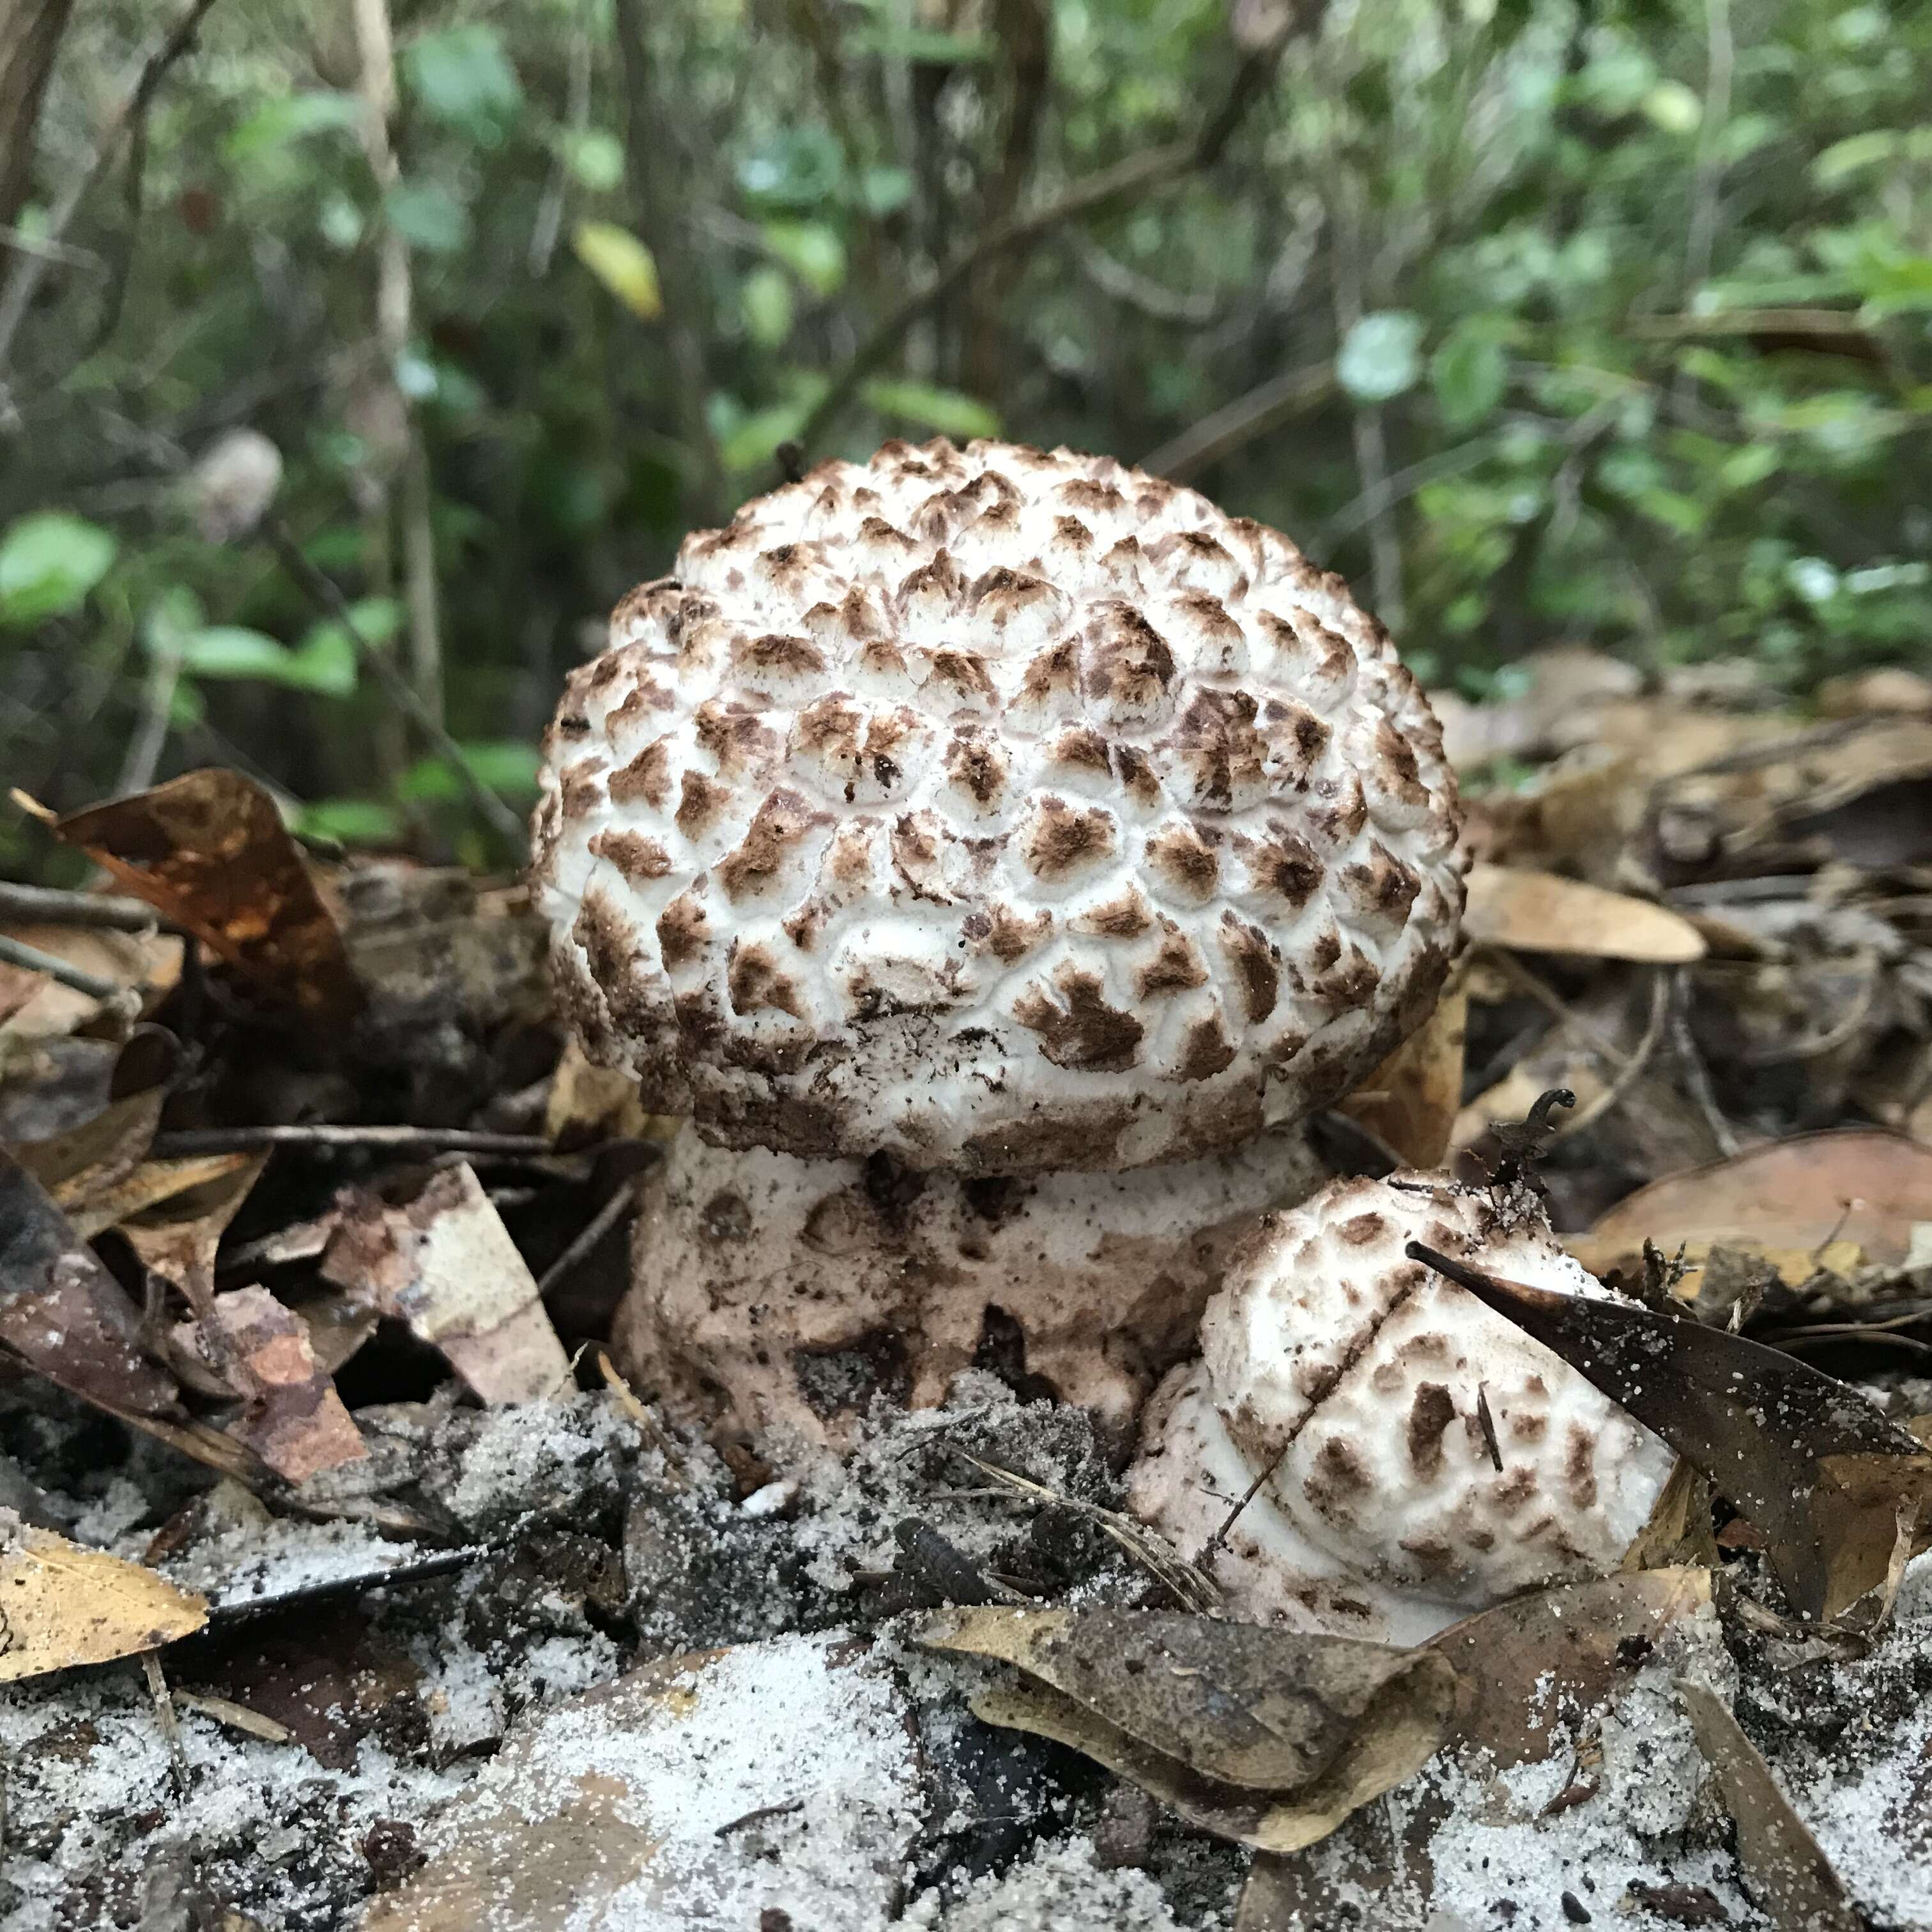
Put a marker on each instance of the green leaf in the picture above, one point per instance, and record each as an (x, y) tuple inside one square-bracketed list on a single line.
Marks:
[(508, 766), (49, 562), (428, 217), (960, 417), (1382, 356), (348, 821), (812, 251), (1470, 372), (293, 118), (595, 158), (766, 298), (461, 75), (232, 650), (622, 263)]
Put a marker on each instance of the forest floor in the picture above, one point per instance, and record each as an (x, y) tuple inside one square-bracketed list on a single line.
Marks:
[(340, 1589)]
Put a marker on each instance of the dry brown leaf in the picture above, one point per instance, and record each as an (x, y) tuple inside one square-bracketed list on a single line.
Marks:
[(149, 963), (1410, 1101), (1789, 1199), (294, 1419), (150, 1184), (1543, 912), (179, 1238), (61, 1605), (210, 851), (1813, 1464), (1541, 1661), (445, 1264), (1269, 1737), (588, 1102), (62, 1311), (1784, 1868), (79, 1166)]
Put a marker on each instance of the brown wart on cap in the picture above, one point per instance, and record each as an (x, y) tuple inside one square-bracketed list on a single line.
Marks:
[(1362, 1405), (1071, 679)]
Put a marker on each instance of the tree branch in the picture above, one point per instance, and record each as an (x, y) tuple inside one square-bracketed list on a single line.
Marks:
[(1235, 425), (30, 270), (1100, 190)]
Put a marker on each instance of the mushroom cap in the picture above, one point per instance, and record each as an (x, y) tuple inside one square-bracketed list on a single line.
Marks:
[(1358, 1378), (1005, 810), (774, 1298)]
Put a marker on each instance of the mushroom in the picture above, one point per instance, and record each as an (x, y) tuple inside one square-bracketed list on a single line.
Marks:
[(996, 813), (1364, 1447), (784, 1295)]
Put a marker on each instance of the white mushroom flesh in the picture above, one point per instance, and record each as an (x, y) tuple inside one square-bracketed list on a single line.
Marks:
[(1374, 1400)]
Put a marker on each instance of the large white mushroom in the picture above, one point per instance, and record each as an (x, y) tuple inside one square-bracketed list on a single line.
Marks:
[(1407, 1455), (999, 813)]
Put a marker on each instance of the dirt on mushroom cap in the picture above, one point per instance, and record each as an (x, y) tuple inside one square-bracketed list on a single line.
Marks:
[(1007, 811)]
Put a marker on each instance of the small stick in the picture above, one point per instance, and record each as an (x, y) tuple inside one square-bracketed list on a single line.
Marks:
[(1696, 1074), (170, 1724), (14, 953), (421, 1140), (647, 1423), (1248, 1496), (600, 1224), (49, 905)]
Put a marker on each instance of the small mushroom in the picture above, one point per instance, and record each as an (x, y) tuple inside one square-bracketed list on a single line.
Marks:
[(997, 814), (785, 1296), (1407, 1456)]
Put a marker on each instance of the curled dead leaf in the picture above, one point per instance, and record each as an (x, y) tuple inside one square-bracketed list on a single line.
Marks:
[(210, 852), (61, 1604), (1813, 1464), (294, 1420), (1268, 1737)]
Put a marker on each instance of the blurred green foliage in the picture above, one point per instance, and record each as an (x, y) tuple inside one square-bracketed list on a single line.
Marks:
[(1617, 317)]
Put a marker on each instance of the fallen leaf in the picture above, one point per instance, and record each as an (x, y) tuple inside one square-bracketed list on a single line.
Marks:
[(178, 1239), (78, 1166), (445, 1264), (1544, 1660), (147, 963), (150, 1184), (1269, 1737), (62, 1311), (1807, 1459), (1543, 912), (1788, 1198), (1410, 1101), (1783, 1867), (294, 1419), (209, 850), (61, 1605)]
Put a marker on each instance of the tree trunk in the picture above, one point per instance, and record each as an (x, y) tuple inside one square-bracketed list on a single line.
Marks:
[(30, 35)]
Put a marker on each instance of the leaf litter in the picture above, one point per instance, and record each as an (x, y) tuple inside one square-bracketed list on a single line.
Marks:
[(325, 1385)]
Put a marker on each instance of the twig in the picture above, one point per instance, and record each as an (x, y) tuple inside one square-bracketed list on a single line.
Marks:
[(170, 1724), (1371, 446), (647, 1423), (62, 254), (1100, 190), (145, 748), (322, 590), (12, 953), (1265, 407), (31, 270), (418, 1140), (549, 222), (1192, 1588), (1247, 1496), (1627, 1075), (1696, 1074), (49, 905), (601, 1223), (1142, 293), (1847, 1030)]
